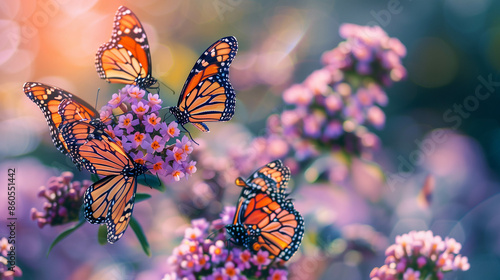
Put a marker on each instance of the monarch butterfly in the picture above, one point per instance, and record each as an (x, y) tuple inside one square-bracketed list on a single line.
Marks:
[(207, 95), (111, 199), (264, 218), (48, 99), (126, 58), (271, 177)]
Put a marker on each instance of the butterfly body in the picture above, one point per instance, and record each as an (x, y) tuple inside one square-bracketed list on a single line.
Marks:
[(265, 218), (126, 57)]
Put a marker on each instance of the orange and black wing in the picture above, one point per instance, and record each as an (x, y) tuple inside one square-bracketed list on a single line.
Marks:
[(126, 58), (111, 201), (207, 95), (71, 110), (48, 99), (77, 133), (264, 221), (105, 157), (273, 177), (97, 151)]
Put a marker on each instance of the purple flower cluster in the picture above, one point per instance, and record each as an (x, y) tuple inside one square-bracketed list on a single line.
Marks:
[(201, 257), (7, 273), (64, 199), (142, 133), (419, 255), (331, 108), (368, 51)]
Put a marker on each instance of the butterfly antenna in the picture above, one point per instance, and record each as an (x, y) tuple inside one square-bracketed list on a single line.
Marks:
[(97, 97), (271, 263), (211, 234), (146, 180), (173, 91)]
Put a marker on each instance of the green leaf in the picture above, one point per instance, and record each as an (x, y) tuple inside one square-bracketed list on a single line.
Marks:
[(81, 213), (152, 181), (142, 196), (64, 234), (102, 235), (94, 178), (140, 235)]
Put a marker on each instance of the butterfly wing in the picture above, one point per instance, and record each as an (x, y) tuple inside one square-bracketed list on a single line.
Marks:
[(267, 224), (49, 99), (126, 58), (71, 110), (99, 153), (77, 133), (111, 201), (272, 177), (207, 95)]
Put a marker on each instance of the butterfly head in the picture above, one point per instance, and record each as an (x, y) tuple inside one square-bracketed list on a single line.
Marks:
[(238, 234), (180, 116), (140, 168), (146, 82)]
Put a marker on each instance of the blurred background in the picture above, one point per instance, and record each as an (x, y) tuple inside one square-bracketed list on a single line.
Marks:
[(452, 83)]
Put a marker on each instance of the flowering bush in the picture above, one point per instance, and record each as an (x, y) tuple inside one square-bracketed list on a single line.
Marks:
[(328, 121), (64, 199), (138, 127), (421, 255), (203, 257)]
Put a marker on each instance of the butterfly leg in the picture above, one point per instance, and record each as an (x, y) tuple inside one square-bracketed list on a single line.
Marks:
[(157, 177), (189, 133), (167, 113), (165, 85)]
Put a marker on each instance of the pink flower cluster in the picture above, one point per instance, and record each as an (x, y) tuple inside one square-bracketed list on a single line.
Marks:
[(369, 51), (419, 255), (6, 272), (139, 128), (333, 105), (64, 199), (201, 257)]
